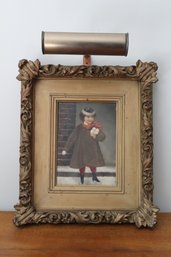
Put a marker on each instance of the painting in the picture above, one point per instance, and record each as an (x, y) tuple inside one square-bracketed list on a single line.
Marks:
[(86, 143)]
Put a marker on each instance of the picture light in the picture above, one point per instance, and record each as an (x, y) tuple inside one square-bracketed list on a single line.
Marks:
[(85, 43)]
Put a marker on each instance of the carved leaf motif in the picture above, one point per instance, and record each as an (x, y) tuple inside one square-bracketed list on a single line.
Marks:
[(87, 71), (28, 70), (146, 72), (146, 214), (25, 91)]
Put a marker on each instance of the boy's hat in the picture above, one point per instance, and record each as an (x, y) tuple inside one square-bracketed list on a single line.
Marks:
[(88, 111)]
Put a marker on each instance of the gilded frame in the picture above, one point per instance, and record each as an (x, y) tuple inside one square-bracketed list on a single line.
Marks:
[(145, 74)]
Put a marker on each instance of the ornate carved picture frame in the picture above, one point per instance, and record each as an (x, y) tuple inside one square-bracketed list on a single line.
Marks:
[(86, 153)]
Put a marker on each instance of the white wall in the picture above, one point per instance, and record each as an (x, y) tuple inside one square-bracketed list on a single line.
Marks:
[(21, 22)]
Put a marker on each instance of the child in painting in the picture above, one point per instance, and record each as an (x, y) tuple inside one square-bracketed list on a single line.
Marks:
[(85, 142)]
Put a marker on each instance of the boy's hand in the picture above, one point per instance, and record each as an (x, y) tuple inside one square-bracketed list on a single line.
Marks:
[(94, 132), (64, 152)]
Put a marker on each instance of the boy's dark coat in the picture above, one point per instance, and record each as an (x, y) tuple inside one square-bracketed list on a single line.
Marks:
[(86, 149)]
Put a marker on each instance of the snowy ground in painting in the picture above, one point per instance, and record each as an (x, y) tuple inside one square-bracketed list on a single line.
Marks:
[(70, 176)]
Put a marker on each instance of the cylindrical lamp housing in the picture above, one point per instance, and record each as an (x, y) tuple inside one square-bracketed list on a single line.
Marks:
[(85, 43)]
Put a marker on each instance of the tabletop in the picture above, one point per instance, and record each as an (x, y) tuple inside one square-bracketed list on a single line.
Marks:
[(124, 240)]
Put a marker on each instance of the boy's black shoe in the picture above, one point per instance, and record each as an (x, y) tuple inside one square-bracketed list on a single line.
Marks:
[(95, 177), (82, 178)]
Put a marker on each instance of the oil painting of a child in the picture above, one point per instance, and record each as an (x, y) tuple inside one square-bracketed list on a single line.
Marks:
[(84, 140), (86, 143)]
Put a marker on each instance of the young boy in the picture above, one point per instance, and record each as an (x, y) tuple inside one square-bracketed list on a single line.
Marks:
[(85, 142)]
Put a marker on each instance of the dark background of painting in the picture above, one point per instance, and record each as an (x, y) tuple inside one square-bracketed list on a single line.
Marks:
[(68, 118)]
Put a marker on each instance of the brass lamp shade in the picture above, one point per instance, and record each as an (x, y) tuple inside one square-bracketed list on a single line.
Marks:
[(85, 43)]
